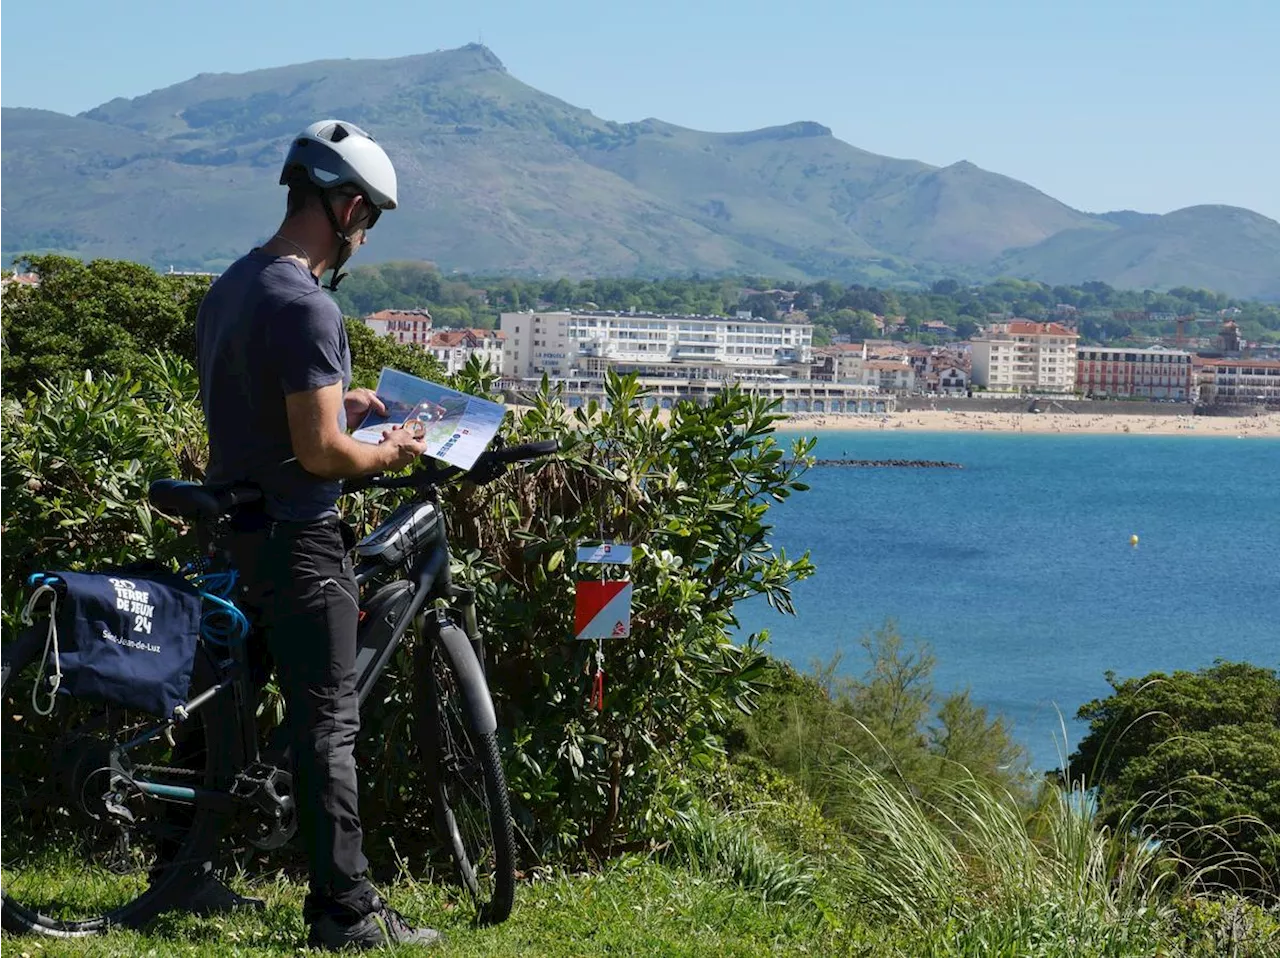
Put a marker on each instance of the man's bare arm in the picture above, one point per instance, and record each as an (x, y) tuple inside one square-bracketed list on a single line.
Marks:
[(326, 451)]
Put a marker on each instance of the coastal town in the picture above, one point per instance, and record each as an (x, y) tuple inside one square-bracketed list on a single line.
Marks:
[(1010, 358), (918, 376)]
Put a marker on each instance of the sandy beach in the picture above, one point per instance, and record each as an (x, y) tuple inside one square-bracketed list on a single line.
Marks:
[(1267, 426)]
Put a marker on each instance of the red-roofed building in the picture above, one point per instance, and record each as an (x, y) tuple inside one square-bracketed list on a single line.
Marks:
[(1020, 356), (889, 376), (20, 279), (410, 327)]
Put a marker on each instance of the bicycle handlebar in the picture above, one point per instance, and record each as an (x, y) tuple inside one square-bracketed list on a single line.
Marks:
[(523, 452), (489, 466)]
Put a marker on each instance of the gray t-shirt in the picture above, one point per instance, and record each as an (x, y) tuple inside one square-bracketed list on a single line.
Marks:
[(266, 329)]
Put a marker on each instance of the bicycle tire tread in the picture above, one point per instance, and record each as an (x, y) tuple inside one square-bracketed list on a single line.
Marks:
[(501, 832)]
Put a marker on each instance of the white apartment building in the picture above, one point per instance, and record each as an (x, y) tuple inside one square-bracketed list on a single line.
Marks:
[(1245, 381), (537, 343), (1025, 357), (1106, 371), (563, 344), (456, 347)]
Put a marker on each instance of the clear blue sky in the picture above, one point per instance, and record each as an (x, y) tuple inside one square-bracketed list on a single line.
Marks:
[(1104, 104)]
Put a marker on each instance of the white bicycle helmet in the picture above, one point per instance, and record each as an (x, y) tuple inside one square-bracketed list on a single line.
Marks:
[(332, 154), (335, 153)]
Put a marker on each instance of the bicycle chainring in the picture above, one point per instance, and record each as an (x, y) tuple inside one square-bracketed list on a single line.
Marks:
[(267, 791)]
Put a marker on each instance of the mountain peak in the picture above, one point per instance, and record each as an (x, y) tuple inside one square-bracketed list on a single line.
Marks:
[(800, 130), (480, 57), (1223, 210)]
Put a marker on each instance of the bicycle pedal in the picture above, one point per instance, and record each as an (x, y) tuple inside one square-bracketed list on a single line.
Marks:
[(259, 775)]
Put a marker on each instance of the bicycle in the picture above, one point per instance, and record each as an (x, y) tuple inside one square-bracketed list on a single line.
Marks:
[(110, 815)]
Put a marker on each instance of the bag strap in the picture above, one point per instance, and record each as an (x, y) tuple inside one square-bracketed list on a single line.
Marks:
[(50, 641)]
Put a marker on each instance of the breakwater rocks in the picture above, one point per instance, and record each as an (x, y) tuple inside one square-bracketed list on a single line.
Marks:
[(891, 463)]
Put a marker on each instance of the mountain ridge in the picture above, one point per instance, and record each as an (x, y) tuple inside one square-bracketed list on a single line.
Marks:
[(500, 177)]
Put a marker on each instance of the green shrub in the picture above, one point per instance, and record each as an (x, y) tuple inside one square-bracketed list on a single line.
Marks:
[(79, 455), (729, 849), (889, 719), (1199, 752), (107, 316), (775, 804), (691, 495), (1227, 927)]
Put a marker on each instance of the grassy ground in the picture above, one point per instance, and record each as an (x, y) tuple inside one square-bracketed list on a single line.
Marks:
[(641, 908), (761, 871)]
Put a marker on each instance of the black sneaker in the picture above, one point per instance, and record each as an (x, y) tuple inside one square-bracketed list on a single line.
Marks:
[(209, 896), (381, 927)]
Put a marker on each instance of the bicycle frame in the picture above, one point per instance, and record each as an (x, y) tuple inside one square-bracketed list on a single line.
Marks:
[(427, 570)]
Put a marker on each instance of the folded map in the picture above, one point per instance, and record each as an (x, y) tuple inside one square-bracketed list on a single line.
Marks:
[(455, 426)]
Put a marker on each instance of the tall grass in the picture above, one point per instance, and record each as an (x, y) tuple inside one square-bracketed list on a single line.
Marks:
[(728, 848), (968, 871)]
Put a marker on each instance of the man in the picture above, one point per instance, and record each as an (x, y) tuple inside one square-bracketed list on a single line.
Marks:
[(275, 368)]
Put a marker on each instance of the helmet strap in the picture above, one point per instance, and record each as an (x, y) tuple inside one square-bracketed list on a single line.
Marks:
[(335, 277)]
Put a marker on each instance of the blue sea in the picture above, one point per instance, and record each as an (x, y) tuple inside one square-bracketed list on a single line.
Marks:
[(1018, 572)]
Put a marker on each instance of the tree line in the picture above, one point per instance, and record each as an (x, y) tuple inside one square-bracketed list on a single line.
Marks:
[(106, 314), (1105, 314)]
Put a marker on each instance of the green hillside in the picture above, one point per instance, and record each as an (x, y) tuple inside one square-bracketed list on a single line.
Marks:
[(498, 177), (1215, 247), (964, 215)]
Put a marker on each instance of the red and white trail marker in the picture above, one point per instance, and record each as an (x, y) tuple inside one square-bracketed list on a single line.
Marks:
[(602, 610)]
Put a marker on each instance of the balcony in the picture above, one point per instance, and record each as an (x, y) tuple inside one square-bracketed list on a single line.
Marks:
[(688, 339), (699, 351), (599, 348)]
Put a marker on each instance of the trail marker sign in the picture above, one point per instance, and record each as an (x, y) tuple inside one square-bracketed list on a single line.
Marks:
[(602, 609)]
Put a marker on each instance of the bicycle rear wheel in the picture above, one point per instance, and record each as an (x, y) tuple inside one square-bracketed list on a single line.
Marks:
[(83, 851), (468, 788)]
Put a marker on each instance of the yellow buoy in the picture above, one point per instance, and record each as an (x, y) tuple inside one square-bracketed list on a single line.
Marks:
[(1133, 540)]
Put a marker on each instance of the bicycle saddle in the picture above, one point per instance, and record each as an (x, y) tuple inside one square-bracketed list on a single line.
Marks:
[(192, 500)]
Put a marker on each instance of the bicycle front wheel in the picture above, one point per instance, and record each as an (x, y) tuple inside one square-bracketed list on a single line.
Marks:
[(83, 851), (468, 788)]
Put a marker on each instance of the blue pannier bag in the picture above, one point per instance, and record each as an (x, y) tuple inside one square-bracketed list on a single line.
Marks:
[(122, 638)]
